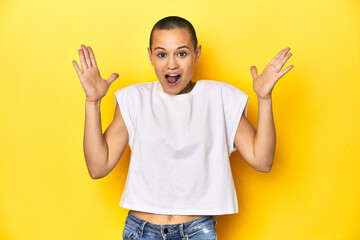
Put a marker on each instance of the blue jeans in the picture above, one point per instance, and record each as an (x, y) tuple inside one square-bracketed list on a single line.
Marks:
[(201, 228)]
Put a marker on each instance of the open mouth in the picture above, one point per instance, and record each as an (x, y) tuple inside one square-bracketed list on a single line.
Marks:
[(172, 78)]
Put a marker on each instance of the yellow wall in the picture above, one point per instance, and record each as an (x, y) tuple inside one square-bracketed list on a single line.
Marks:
[(313, 190)]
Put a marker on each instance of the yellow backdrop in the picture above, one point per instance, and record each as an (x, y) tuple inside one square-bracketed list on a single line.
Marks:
[(313, 189)]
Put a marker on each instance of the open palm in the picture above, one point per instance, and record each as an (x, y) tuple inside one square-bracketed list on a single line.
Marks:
[(94, 86), (264, 83)]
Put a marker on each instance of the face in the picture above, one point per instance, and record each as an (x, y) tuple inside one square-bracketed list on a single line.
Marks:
[(173, 56)]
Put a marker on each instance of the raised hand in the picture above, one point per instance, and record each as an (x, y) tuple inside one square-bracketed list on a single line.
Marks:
[(95, 87), (264, 83)]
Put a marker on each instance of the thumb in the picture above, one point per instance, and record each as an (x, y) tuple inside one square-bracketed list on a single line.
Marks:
[(112, 78), (253, 71)]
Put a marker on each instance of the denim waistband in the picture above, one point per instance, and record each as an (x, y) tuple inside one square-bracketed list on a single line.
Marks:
[(180, 229)]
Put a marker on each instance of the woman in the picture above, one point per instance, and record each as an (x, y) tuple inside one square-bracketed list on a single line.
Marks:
[(181, 134)]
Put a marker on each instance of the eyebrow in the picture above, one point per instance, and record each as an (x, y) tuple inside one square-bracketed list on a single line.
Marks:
[(161, 48)]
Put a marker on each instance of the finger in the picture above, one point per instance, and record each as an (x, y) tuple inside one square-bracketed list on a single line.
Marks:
[(84, 65), (92, 57), (112, 78), (282, 55), (87, 57), (276, 58), (283, 72), (279, 65), (78, 71), (253, 71)]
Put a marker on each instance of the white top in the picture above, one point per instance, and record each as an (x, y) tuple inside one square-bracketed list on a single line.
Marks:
[(180, 147)]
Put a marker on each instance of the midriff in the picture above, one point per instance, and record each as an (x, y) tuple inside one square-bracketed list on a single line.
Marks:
[(161, 219)]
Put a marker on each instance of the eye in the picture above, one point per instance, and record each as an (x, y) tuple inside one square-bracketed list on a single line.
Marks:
[(161, 55), (182, 54)]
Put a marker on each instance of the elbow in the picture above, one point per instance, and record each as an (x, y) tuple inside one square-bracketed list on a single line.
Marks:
[(264, 162), (97, 168), (265, 167), (96, 174)]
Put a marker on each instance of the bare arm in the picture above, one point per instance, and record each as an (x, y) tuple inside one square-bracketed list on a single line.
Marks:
[(101, 151), (258, 146)]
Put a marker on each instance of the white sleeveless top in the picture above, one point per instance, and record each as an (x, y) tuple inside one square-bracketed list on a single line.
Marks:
[(180, 147)]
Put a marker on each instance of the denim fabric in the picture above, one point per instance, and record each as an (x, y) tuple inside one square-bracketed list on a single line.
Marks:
[(201, 228)]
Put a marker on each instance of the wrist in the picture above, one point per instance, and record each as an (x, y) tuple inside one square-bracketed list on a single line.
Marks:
[(92, 103), (264, 99)]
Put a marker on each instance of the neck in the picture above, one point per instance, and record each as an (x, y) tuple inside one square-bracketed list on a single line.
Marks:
[(188, 88)]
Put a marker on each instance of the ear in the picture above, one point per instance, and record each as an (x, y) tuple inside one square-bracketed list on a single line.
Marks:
[(150, 56), (197, 53)]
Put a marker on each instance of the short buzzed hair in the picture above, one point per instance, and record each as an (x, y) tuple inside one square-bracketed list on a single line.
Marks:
[(174, 22)]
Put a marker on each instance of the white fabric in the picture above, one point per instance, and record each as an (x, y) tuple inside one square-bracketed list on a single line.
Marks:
[(180, 147)]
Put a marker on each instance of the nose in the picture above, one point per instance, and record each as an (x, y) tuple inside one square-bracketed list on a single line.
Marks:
[(172, 63)]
